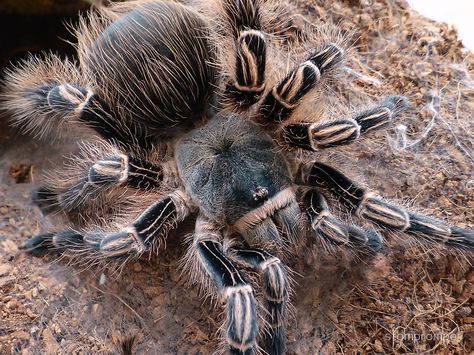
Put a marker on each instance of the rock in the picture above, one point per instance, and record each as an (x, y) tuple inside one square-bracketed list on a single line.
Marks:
[(5, 269), (7, 280), (50, 344), (13, 304), (20, 334), (378, 346)]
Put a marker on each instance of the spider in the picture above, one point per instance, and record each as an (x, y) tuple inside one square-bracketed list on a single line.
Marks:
[(196, 118)]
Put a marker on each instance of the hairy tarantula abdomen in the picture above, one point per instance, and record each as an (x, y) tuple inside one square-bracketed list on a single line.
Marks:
[(155, 63), (146, 72), (231, 167)]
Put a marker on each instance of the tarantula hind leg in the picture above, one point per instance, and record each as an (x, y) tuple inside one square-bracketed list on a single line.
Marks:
[(390, 216), (50, 102), (131, 240), (209, 264), (330, 133), (327, 226), (248, 82), (114, 168), (275, 285)]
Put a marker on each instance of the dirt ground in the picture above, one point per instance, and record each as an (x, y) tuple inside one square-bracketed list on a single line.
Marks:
[(411, 298)]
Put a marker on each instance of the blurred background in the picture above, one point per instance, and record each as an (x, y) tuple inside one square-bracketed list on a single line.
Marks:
[(36, 25), (459, 13)]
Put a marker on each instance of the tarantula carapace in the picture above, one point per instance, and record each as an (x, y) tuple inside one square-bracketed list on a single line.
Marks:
[(193, 119)]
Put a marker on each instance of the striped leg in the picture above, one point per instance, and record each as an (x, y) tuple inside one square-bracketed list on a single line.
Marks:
[(116, 169), (315, 136), (275, 284), (131, 240), (327, 226), (124, 169), (366, 205), (65, 100), (44, 94), (209, 264), (249, 82), (283, 99)]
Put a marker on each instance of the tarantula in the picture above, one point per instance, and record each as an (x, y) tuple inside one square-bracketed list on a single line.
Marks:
[(193, 120)]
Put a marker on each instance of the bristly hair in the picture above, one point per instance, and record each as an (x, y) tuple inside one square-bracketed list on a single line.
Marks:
[(24, 93), (127, 345)]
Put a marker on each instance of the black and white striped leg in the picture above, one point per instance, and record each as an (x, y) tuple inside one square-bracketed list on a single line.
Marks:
[(249, 81), (131, 240), (117, 169), (241, 327), (315, 136), (283, 99), (366, 205), (62, 103), (276, 285), (326, 225)]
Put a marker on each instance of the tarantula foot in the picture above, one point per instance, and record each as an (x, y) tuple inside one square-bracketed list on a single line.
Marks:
[(396, 103), (368, 239), (275, 342), (38, 245), (382, 114), (45, 198), (461, 237)]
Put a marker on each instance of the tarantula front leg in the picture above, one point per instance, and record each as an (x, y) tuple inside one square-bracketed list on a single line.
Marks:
[(248, 83), (130, 240), (326, 225), (208, 263), (366, 205), (330, 133), (275, 284)]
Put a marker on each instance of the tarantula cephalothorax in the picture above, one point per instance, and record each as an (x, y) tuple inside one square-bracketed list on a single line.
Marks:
[(175, 93)]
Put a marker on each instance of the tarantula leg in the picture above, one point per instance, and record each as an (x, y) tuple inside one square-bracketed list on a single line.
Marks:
[(249, 81), (131, 240), (116, 169), (320, 135), (331, 229), (283, 99), (276, 286), (365, 205), (133, 172), (55, 101), (241, 327), (91, 110)]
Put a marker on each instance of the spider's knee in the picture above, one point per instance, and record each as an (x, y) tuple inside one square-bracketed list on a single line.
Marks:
[(63, 99), (109, 170), (122, 243), (285, 97)]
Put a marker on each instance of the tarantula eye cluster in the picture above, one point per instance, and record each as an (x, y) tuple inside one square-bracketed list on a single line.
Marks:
[(187, 129)]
